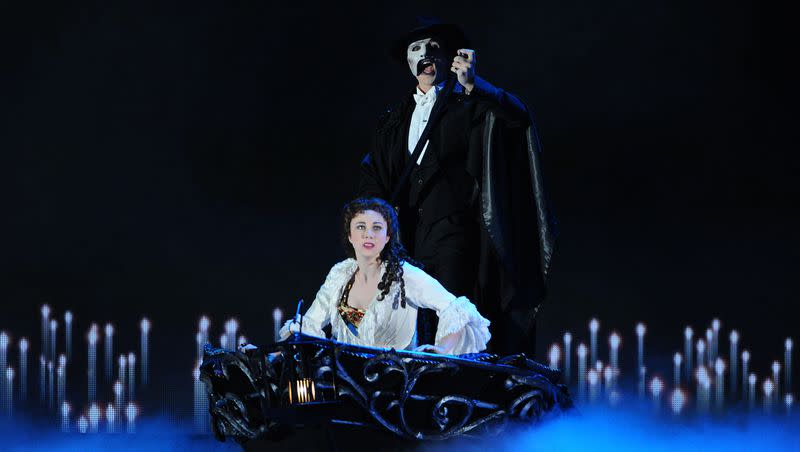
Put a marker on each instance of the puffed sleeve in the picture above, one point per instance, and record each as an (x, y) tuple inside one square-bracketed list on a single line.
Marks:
[(318, 316), (455, 313)]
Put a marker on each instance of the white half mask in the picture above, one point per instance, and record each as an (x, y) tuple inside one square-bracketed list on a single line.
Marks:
[(423, 53)]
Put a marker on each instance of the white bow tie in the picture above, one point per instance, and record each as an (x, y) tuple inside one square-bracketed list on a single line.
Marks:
[(425, 99)]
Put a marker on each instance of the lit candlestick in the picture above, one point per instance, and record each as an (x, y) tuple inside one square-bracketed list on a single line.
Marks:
[(144, 352), (230, 329), (555, 356), (109, 352), (745, 365), (277, 319), (94, 418), (198, 406), (45, 328), (200, 342), (709, 347), (751, 398), (202, 336), (223, 341), (83, 424), (581, 351), (123, 364), (719, 371), (4, 343), (608, 377), (677, 401), (656, 386), (60, 385), (567, 357), (65, 409), (91, 372), (118, 394), (640, 331), (703, 385), (701, 350), (111, 418), (776, 378), (734, 356), (787, 364), (23, 369), (715, 325), (50, 385), (687, 350), (594, 325), (594, 381), (676, 377), (9, 394), (769, 388), (130, 413), (42, 380), (68, 333), (131, 377), (788, 401), (613, 350), (52, 337), (642, 378)]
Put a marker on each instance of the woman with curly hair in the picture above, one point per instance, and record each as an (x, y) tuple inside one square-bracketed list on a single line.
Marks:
[(372, 297)]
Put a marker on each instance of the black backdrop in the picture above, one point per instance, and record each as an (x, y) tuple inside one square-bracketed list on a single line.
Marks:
[(179, 158)]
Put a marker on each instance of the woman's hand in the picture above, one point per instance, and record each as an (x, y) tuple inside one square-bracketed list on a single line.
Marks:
[(431, 349)]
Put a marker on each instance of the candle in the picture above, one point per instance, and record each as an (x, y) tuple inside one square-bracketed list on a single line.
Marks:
[(787, 364), (109, 352), (68, 333), (65, 409), (719, 371), (613, 350), (715, 324), (581, 351), (60, 385), (640, 331), (118, 394), (768, 390), (642, 377), (277, 319), (111, 418), (567, 357), (776, 377), (734, 355), (687, 350), (676, 377), (45, 328), (144, 369), (745, 364), (130, 413), (593, 385), (123, 364), (52, 336), (709, 347), (42, 380), (701, 350), (200, 342), (9, 394), (594, 325), (23, 369), (50, 385), (91, 372), (703, 385), (83, 424), (198, 406), (751, 398), (788, 400), (677, 401), (608, 378), (131, 377), (94, 418), (656, 386), (223, 341), (4, 342), (555, 356), (231, 326), (202, 336)]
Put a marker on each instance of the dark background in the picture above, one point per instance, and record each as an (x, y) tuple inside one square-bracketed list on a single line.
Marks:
[(173, 159)]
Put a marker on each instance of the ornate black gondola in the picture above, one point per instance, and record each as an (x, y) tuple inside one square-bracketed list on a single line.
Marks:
[(307, 381)]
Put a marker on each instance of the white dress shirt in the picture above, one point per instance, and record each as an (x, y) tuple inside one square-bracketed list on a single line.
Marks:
[(422, 112), (386, 323)]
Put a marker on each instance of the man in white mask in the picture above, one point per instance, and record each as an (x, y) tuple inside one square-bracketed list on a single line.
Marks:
[(473, 211)]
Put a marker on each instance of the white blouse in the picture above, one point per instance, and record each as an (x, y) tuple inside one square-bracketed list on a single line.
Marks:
[(386, 323)]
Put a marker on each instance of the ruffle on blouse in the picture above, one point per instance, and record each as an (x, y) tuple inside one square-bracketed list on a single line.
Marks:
[(462, 314)]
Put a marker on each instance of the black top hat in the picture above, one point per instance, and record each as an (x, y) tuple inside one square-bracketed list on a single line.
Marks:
[(449, 35)]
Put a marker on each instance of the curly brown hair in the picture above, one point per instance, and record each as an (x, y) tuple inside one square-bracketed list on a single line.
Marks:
[(393, 254)]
